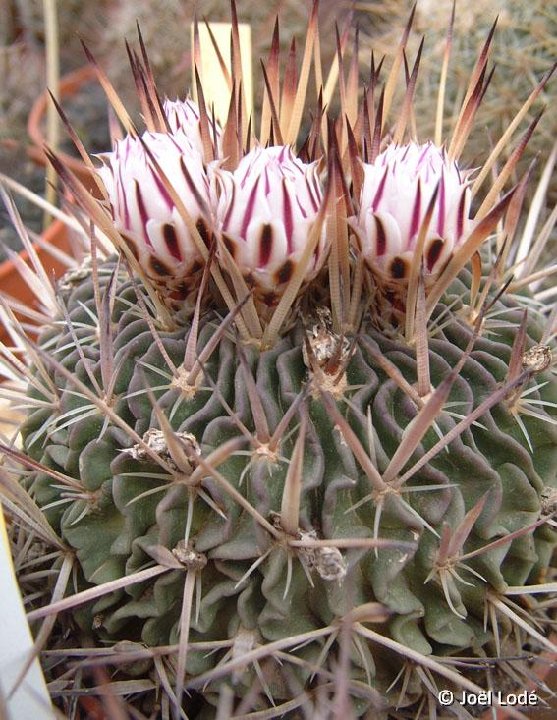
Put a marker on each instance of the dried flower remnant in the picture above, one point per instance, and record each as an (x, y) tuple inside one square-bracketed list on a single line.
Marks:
[(327, 560), (154, 440), (536, 359)]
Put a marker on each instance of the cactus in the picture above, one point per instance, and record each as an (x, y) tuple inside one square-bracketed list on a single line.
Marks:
[(291, 427)]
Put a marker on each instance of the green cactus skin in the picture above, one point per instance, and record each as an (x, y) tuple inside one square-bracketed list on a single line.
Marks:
[(130, 505)]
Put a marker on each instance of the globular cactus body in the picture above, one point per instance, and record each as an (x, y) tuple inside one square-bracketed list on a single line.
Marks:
[(129, 506)]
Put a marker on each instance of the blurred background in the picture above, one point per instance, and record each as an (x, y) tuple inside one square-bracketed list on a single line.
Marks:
[(525, 46)]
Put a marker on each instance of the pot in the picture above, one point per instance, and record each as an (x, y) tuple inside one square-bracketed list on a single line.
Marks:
[(11, 282), (69, 85), (544, 675)]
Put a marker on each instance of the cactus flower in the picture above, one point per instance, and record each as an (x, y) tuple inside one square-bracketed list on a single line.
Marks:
[(266, 211), (184, 115), (396, 191), (145, 213)]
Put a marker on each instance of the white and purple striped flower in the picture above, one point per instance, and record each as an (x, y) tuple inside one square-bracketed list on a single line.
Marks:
[(266, 210), (184, 116), (143, 209), (396, 192)]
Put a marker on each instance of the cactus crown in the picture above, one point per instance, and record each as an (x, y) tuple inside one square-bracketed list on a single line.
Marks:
[(292, 428)]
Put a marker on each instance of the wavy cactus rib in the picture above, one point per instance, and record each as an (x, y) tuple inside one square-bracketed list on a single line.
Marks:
[(299, 470), (255, 586)]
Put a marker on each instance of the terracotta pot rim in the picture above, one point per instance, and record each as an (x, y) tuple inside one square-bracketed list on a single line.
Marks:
[(69, 85), (13, 284)]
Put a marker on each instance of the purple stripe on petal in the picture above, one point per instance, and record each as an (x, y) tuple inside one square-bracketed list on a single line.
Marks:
[(191, 185), (441, 205), (249, 209), (176, 144), (122, 191), (426, 150), (230, 209), (301, 208), (246, 175), (162, 190), (379, 194), (288, 217), (142, 213), (415, 223)]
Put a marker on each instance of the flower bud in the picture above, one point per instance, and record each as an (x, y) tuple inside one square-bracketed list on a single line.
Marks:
[(185, 116)]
